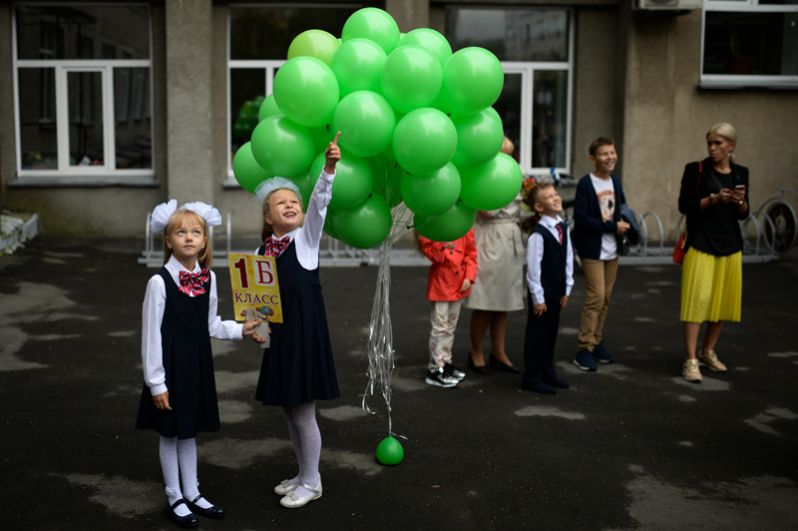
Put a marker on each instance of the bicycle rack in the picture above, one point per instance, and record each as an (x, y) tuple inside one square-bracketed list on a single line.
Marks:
[(333, 253)]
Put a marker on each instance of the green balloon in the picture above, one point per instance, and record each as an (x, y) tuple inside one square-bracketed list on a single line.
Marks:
[(366, 122), (282, 147), (411, 78), (268, 108), (366, 225), (434, 193), (479, 137), (424, 140), (472, 80), (446, 227), (389, 451), (322, 136), (393, 184), (353, 180), (314, 43), (357, 65), (374, 24), (306, 91), (491, 185), (329, 229), (431, 41), (246, 169)]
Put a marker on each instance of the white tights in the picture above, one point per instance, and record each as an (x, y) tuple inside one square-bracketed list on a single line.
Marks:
[(179, 460), (306, 439)]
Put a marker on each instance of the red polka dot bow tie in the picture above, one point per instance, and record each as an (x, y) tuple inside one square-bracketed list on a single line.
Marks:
[(193, 284), (275, 246)]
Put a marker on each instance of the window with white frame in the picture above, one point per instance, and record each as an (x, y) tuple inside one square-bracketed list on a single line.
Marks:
[(750, 43), (535, 47), (82, 77), (259, 37)]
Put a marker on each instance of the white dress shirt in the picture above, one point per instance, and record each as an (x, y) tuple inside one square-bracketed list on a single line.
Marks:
[(307, 238), (152, 317), (534, 255)]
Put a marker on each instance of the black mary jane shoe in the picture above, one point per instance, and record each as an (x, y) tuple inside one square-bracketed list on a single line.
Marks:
[(190, 520), (501, 366), (481, 369), (213, 511)]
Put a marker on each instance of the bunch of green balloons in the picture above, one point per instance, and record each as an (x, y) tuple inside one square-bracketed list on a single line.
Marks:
[(416, 126)]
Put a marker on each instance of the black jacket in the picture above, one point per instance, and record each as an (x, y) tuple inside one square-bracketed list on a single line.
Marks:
[(589, 227)]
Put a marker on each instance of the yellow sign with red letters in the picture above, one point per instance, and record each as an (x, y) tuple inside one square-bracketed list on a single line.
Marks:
[(255, 286)]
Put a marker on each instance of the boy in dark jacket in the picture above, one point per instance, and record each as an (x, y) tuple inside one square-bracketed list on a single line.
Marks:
[(597, 237)]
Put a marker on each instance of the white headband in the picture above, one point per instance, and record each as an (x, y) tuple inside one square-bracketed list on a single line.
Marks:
[(268, 186), (161, 214)]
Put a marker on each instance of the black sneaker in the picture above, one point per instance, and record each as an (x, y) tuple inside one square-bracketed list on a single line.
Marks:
[(437, 378), (450, 370)]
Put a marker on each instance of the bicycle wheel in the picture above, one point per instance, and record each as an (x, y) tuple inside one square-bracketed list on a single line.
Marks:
[(783, 229)]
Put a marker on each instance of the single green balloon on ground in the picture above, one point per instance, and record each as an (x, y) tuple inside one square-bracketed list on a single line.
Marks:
[(314, 43), (246, 169), (424, 140), (353, 180), (389, 451), (374, 24), (282, 147), (491, 185), (431, 194), (449, 226), (357, 66), (366, 122), (366, 225), (479, 137), (306, 91)]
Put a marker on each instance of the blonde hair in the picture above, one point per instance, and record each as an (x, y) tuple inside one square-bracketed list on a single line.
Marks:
[(174, 222), (724, 129)]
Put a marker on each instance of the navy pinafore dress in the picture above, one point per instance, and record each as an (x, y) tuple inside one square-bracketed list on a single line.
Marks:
[(298, 366), (188, 364)]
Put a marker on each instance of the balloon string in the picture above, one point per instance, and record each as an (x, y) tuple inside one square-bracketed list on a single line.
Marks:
[(380, 343)]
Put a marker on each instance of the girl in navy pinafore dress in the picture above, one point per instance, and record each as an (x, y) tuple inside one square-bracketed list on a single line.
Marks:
[(178, 398), (298, 366)]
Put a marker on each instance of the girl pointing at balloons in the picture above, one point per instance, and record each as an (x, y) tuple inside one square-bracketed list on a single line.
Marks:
[(298, 368)]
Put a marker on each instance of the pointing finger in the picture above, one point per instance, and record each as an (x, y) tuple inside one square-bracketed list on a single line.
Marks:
[(335, 140)]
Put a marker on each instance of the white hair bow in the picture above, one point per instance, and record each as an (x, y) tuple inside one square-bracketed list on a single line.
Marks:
[(161, 214), (276, 183)]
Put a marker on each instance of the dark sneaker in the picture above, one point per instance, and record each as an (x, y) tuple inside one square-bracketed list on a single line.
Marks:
[(584, 360), (437, 378), (601, 354), (451, 370), (555, 381)]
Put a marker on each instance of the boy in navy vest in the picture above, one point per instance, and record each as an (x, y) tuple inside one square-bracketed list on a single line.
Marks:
[(550, 267)]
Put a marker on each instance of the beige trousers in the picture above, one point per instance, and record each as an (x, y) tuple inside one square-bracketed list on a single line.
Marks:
[(599, 280), (443, 318)]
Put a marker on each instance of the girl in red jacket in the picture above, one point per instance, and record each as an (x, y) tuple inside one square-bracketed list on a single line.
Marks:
[(453, 271)]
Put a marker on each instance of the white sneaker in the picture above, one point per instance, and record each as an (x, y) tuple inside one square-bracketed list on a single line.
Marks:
[(691, 372), (286, 486), (294, 501)]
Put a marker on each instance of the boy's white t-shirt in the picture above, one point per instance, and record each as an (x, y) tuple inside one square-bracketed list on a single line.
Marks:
[(606, 198)]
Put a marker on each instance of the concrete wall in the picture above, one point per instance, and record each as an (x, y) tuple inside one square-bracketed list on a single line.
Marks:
[(666, 118)]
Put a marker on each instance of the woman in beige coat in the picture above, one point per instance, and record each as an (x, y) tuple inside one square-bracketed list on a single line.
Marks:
[(499, 286)]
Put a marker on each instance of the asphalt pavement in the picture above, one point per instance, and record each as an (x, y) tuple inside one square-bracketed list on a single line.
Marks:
[(632, 446)]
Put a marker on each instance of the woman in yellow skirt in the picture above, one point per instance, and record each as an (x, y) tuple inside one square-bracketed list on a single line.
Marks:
[(714, 198)]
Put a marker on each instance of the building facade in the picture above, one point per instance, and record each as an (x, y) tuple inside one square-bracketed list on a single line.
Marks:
[(111, 107)]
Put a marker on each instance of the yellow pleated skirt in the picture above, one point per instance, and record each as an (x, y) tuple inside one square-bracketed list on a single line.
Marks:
[(712, 287)]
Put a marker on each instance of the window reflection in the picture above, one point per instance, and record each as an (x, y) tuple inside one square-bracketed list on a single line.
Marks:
[(77, 32), (549, 115), (37, 131), (133, 128), (512, 34)]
